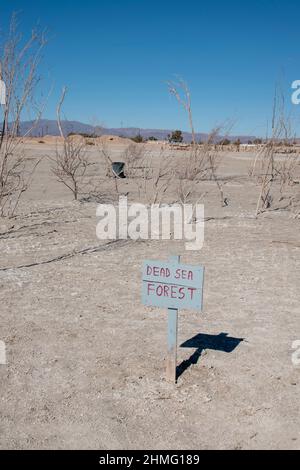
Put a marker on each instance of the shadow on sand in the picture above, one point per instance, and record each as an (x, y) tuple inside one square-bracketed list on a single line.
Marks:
[(200, 342)]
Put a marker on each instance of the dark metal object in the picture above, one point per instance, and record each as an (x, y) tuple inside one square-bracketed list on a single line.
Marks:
[(118, 169)]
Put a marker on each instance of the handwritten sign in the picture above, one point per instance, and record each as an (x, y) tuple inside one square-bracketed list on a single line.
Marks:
[(172, 285)]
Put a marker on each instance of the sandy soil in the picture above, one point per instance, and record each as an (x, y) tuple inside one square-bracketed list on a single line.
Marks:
[(85, 359)]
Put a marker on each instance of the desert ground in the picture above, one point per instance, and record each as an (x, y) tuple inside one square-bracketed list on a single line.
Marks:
[(86, 360)]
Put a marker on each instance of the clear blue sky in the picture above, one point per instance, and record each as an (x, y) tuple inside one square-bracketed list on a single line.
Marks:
[(115, 57)]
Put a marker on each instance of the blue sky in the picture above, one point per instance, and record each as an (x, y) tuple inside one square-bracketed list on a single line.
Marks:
[(116, 56)]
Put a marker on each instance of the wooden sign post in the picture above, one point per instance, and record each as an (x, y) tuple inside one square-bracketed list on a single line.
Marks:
[(172, 285)]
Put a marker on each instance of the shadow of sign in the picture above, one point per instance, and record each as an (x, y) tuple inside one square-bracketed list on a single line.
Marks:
[(201, 342)]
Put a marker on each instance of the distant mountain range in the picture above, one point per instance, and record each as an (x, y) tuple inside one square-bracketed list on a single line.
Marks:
[(50, 127)]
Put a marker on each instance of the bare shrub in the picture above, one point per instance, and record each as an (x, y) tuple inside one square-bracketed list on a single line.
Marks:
[(274, 165), (203, 159), (104, 152), (135, 157), (70, 163), (180, 90), (156, 179), (108, 162), (19, 61), (149, 175)]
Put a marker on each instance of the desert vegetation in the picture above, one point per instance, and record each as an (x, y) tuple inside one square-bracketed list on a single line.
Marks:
[(276, 165), (70, 162), (19, 62)]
